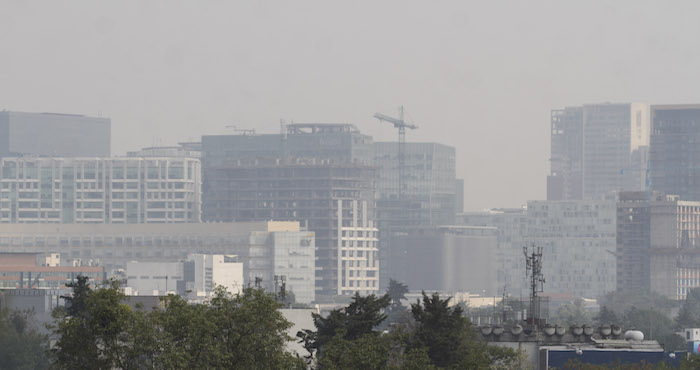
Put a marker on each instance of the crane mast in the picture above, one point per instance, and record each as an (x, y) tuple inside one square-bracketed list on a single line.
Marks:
[(401, 125)]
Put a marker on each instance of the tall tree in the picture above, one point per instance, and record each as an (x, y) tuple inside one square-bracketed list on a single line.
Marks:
[(361, 317), (92, 332), (397, 292), (449, 338)]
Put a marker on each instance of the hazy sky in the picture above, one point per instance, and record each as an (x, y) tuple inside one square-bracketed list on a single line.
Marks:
[(481, 76)]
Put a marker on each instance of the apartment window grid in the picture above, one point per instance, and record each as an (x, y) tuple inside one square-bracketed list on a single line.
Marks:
[(99, 190), (359, 260)]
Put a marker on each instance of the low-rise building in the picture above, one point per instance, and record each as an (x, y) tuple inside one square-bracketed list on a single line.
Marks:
[(197, 276), (266, 249)]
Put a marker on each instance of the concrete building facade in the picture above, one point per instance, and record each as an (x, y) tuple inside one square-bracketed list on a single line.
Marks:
[(266, 249), (334, 200), (446, 258), (100, 190), (633, 241), (512, 226), (597, 149), (195, 277), (54, 135), (674, 241)]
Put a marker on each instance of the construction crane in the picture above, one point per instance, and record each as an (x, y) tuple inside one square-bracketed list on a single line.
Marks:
[(400, 124)]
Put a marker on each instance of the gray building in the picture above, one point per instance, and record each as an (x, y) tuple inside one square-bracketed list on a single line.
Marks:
[(100, 190), (579, 241), (597, 149), (318, 174), (446, 258), (431, 195), (633, 241), (328, 141), (333, 199), (674, 151), (511, 229), (54, 135), (430, 184)]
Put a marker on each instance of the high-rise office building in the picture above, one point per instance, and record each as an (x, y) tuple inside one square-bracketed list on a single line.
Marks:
[(674, 151), (633, 240), (578, 240), (430, 196), (100, 190), (597, 149), (318, 174), (53, 135), (333, 199)]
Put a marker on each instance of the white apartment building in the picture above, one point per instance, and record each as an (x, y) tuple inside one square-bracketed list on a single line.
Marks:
[(100, 190)]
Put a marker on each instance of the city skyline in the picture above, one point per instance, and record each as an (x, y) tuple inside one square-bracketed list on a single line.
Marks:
[(176, 71)]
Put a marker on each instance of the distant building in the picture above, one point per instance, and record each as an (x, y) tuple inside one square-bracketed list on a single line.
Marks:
[(100, 190), (54, 135), (597, 149), (323, 141), (674, 154), (334, 200), (184, 150), (675, 238), (579, 241), (447, 258), (511, 225), (196, 277), (633, 241), (430, 196), (266, 249), (29, 271), (430, 184), (318, 174)]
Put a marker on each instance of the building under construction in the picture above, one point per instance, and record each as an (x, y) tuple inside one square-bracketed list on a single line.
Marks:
[(318, 175)]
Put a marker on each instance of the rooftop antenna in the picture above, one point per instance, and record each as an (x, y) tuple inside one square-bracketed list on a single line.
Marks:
[(533, 270)]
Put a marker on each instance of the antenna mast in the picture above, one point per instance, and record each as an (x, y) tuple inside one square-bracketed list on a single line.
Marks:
[(533, 270)]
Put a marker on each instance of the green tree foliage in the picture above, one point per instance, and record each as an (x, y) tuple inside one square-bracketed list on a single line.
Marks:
[(22, 346), (397, 292), (352, 322), (572, 313), (449, 339), (655, 325), (92, 332), (620, 301), (99, 331), (689, 314), (606, 316)]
